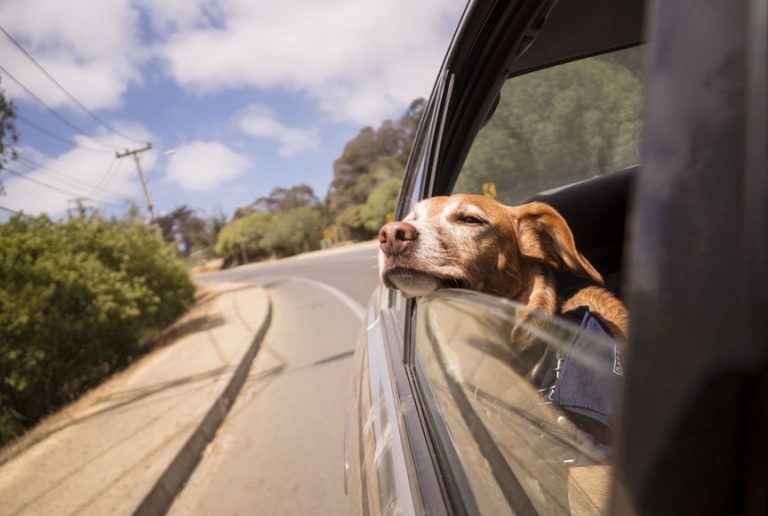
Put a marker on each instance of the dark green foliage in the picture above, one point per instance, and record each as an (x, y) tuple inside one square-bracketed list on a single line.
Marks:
[(380, 203), (295, 231), (557, 126), (286, 199), (286, 222), (78, 299), (189, 231), (242, 239), (372, 157), (8, 134)]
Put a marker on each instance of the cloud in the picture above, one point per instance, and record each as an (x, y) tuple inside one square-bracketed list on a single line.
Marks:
[(92, 48), (259, 121), (52, 184), (203, 166), (360, 61)]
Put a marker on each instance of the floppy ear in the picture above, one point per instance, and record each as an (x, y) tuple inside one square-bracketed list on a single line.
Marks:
[(544, 235)]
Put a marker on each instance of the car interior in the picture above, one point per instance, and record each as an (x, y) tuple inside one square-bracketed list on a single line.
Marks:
[(596, 213)]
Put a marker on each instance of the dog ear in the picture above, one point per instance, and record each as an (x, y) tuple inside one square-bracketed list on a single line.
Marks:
[(544, 235)]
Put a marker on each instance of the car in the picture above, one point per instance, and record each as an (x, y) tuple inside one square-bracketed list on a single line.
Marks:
[(646, 125)]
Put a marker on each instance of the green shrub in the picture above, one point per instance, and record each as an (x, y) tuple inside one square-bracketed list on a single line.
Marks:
[(244, 234), (381, 201), (295, 231), (77, 300), (262, 234)]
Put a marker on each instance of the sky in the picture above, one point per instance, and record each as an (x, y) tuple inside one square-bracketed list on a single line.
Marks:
[(237, 97)]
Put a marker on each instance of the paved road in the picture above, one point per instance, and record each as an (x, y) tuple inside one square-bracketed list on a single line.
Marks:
[(280, 451), (351, 270)]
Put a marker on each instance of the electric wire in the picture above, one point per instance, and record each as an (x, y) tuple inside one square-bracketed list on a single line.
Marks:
[(59, 137), (72, 181), (103, 181), (62, 190), (63, 89), (54, 112)]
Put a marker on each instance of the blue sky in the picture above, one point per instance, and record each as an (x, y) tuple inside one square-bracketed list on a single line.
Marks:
[(249, 94)]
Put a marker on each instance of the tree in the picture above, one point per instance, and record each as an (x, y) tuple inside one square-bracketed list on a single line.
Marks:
[(242, 239), (295, 231), (372, 157), (373, 213), (9, 136), (286, 199), (556, 126), (190, 231)]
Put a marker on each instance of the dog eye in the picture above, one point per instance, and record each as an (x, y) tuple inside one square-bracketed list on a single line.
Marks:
[(469, 219)]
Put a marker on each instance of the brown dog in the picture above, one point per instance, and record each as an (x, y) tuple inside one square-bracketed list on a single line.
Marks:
[(473, 242)]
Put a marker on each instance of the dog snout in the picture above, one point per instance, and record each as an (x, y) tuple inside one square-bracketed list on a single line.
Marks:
[(396, 237)]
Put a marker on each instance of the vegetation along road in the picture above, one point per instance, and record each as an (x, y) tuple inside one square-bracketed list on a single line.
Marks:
[(280, 451)]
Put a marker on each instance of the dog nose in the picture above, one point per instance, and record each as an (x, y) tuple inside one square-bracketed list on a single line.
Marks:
[(396, 237)]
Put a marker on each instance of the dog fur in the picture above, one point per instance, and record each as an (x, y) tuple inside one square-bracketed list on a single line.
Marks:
[(474, 242)]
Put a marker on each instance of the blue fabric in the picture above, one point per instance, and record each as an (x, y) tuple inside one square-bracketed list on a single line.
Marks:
[(584, 377), (590, 374)]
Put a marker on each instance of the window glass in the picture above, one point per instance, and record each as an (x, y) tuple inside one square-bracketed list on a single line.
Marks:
[(522, 404), (557, 126)]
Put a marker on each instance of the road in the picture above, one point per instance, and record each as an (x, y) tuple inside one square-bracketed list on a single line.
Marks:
[(280, 450)]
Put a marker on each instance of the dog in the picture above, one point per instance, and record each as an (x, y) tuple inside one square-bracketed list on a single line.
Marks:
[(474, 242)]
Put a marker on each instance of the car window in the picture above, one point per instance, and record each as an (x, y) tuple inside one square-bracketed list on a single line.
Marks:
[(557, 126), (521, 404), (419, 160), (413, 190)]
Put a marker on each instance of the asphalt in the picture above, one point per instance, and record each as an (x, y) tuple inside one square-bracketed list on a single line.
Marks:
[(128, 446)]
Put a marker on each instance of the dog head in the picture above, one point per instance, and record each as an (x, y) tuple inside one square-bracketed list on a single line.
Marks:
[(473, 242)]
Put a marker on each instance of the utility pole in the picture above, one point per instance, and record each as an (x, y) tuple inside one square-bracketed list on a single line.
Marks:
[(135, 155)]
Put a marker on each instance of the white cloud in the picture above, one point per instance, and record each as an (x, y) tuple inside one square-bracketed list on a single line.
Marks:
[(259, 121), (361, 61), (173, 15), (91, 48), (202, 166), (79, 173)]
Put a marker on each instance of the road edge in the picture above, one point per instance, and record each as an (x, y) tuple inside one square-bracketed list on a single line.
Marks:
[(170, 483)]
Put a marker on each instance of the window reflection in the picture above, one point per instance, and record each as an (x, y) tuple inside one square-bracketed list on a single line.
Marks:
[(529, 433)]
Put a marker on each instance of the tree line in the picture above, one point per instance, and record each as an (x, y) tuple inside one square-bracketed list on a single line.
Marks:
[(290, 220)]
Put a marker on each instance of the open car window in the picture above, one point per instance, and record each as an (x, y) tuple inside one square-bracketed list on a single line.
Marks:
[(521, 404), (557, 126)]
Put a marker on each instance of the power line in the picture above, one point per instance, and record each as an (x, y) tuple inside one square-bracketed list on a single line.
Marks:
[(58, 137), (73, 181), (107, 176), (54, 187), (53, 111), (9, 210), (66, 92)]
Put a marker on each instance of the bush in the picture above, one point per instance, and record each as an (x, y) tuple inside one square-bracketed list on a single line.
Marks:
[(78, 299), (381, 202), (363, 221), (266, 234), (245, 233), (295, 231)]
